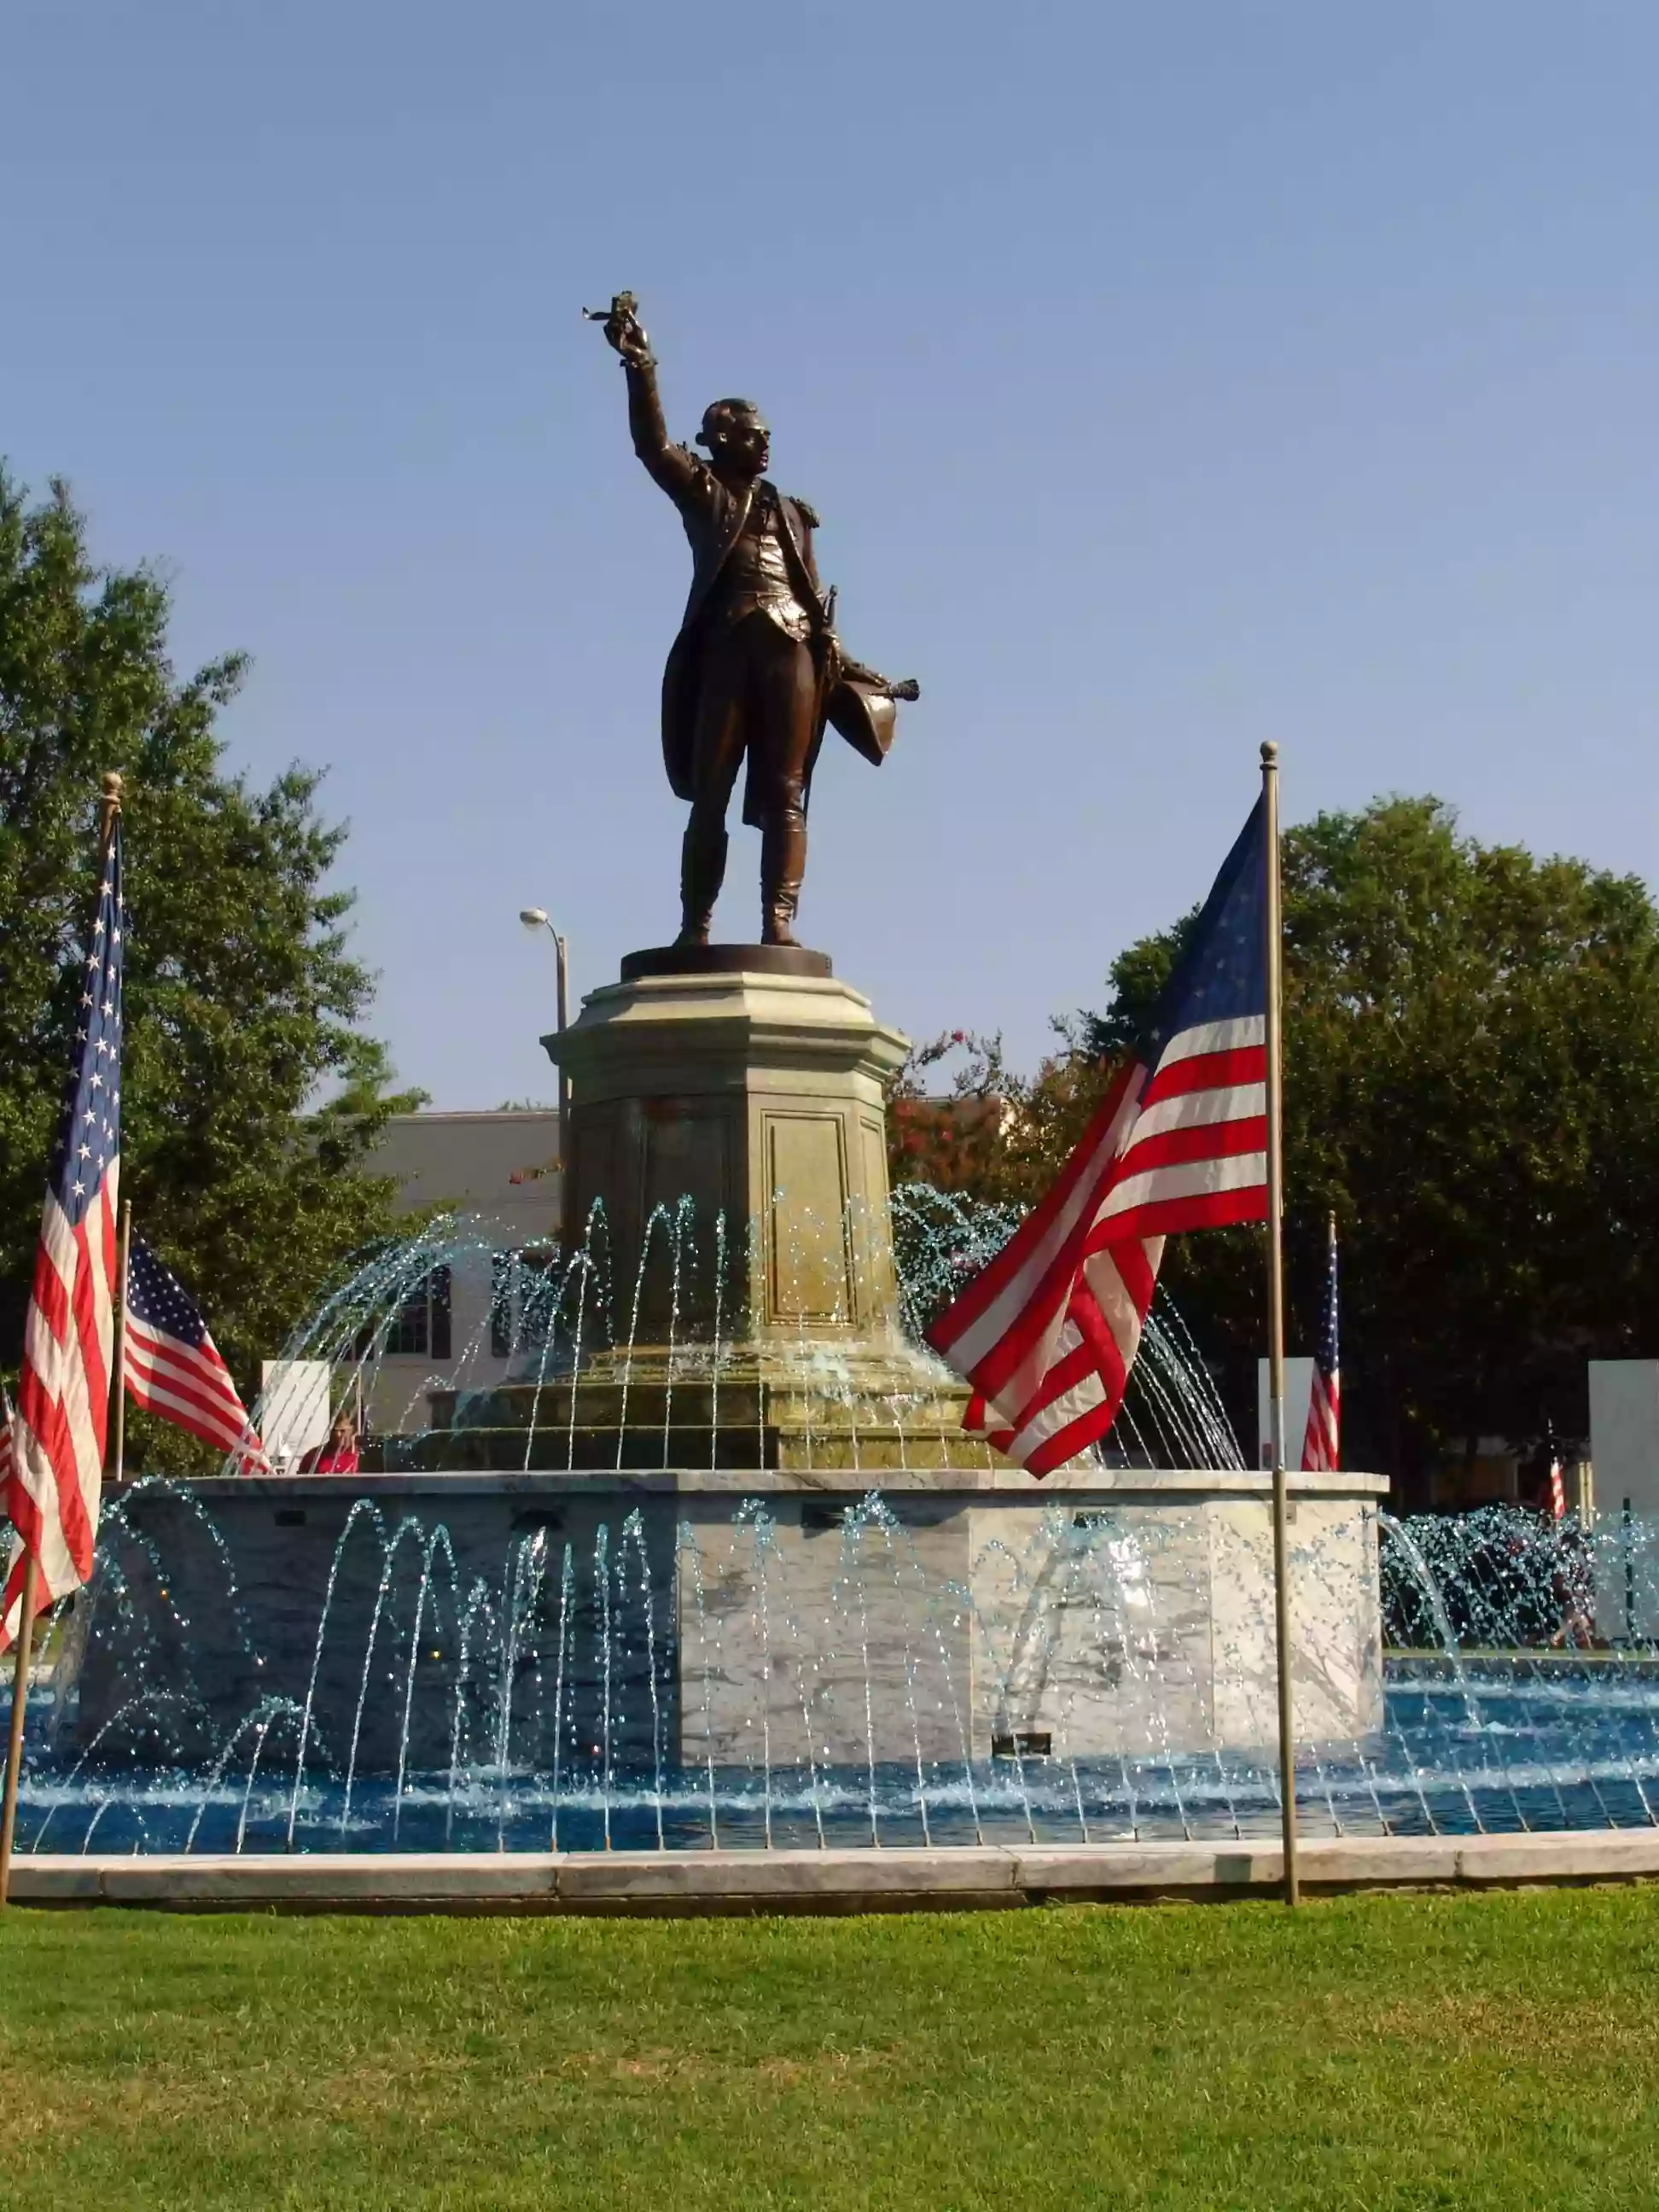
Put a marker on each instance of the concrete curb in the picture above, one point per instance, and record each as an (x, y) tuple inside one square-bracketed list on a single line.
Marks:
[(649, 1882)]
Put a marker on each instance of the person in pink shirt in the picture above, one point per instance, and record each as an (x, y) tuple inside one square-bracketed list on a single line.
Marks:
[(339, 1455)]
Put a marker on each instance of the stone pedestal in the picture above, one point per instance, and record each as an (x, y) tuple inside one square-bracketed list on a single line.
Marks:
[(725, 1166), (735, 1123)]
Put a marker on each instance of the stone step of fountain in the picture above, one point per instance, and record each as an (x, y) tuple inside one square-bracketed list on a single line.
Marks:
[(827, 1401), (822, 1881), (807, 1446), (795, 1408)]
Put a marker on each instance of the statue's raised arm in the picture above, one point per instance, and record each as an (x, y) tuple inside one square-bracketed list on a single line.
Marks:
[(676, 471)]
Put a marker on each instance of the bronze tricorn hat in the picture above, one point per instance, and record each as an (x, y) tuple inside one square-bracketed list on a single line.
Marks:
[(865, 716)]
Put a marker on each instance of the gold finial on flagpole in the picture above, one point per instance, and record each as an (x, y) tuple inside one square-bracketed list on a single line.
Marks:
[(109, 806)]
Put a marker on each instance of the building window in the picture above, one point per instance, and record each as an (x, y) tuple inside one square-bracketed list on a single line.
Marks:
[(422, 1328)]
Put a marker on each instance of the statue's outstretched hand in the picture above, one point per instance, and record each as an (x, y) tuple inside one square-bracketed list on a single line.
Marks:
[(624, 332), (620, 324)]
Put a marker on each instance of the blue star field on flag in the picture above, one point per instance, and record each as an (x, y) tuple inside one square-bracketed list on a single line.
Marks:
[(89, 1130), (1327, 1356), (1223, 974), (155, 1295)]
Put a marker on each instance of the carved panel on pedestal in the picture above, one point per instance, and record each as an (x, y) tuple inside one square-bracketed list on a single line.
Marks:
[(880, 1295), (809, 1280)]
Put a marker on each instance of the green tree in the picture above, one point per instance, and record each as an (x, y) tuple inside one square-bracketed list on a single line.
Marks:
[(1472, 1083), (243, 1005)]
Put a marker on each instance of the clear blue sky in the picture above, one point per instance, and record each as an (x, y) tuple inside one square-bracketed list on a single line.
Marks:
[(1167, 378)]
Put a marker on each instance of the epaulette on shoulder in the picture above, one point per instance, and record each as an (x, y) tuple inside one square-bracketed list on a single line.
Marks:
[(808, 513)]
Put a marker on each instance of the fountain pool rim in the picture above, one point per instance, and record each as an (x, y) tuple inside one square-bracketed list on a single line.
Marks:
[(897, 1879), (1128, 1483)]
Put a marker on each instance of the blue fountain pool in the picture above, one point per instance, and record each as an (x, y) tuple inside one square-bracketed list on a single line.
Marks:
[(1531, 1743), (745, 1685)]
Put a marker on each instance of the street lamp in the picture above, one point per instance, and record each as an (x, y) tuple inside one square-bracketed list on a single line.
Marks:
[(535, 917)]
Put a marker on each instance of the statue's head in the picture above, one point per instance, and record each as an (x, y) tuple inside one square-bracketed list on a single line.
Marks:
[(735, 433)]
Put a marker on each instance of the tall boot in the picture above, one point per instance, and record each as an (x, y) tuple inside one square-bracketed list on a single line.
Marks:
[(783, 863), (703, 870)]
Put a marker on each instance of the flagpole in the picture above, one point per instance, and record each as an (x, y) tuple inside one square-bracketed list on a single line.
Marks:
[(20, 1690), (119, 1411), (109, 806), (1276, 1318)]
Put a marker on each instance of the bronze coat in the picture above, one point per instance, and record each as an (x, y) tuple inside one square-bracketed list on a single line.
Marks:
[(713, 534), (713, 517)]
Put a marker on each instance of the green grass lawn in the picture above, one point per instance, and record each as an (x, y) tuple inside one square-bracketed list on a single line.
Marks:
[(1497, 2051)]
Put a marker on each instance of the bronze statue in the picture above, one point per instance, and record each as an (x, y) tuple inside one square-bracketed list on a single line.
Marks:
[(756, 671)]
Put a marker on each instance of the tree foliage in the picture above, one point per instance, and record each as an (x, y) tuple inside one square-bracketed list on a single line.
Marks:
[(243, 1004)]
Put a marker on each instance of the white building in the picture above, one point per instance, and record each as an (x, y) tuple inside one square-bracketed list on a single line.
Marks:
[(503, 1168)]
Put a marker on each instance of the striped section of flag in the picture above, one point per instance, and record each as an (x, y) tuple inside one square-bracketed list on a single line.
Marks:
[(7, 1446), (173, 1367), (62, 1422), (1047, 1333), (1321, 1441)]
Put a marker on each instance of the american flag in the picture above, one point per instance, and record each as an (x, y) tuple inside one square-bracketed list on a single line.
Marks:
[(1321, 1442), (1046, 1334), (63, 1389), (173, 1365)]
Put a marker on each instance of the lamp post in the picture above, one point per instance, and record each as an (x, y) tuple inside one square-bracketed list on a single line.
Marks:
[(535, 917)]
